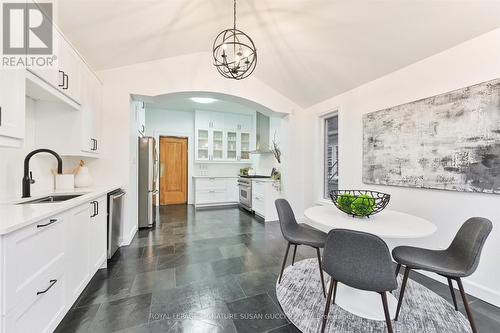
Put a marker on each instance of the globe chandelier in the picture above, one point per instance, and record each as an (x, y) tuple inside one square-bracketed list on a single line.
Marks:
[(235, 55)]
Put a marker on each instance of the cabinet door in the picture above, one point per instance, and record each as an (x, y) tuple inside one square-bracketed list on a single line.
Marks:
[(70, 66), (244, 146), (231, 122), (141, 118), (98, 232), (217, 144), (78, 253), (245, 123), (217, 120), (202, 144), (90, 111), (203, 119), (96, 103), (12, 105), (232, 145), (232, 190)]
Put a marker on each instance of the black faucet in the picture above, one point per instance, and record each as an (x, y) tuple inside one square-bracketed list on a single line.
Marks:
[(28, 179)]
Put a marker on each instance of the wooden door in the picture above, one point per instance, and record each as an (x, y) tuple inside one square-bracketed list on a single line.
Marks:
[(173, 170)]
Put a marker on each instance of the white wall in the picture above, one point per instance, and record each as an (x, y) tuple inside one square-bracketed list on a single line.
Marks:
[(12, 162), (194, 72), (472, 62)]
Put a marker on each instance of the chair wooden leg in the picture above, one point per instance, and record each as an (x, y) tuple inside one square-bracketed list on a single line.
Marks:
[(386, 312), (284, 262), (334, 290), (398, 268), (294, 252), (402, 292), (466, 305), (327, 306), (321, 272), (450, 284)]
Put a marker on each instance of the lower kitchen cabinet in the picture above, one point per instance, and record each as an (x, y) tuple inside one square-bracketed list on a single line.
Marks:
[(78, 250), (45, 266), (263, 196), (97, 234), (215, 191)]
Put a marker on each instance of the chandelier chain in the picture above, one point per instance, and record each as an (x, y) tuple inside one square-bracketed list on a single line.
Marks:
[(234, 15)]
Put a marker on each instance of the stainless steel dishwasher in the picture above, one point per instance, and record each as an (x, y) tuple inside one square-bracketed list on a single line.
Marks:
[(115, 217)]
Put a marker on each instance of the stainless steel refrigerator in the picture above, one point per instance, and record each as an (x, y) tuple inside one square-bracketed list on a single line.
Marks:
[(148, 174)]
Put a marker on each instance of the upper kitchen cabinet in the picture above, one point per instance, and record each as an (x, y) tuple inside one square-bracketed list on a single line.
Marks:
[(91, 112), (70, 66), (69, 131), (223, 137), (141, 117), (65, 76), (12, 107)]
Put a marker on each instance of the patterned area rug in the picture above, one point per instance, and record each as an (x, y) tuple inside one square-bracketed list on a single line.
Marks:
[(423, 311)]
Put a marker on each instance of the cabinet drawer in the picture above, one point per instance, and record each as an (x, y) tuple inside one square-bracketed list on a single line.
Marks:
[(258, 204), (41, 302), (259, 188), (210, 196), (211, 184), (28, 252)]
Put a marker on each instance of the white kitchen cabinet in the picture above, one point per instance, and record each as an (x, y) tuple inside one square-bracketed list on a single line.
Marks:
[(141, 117), (91, 112), (263, 196), (70, 66), (97, 232), (68, 131), (45, 266), (12, 107), (78, 228), (215, 191), (223, 137)]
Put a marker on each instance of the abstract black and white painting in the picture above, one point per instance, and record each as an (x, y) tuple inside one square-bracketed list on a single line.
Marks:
[(449, 141)]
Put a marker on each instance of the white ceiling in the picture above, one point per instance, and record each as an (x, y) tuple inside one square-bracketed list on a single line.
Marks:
[(308, 50)]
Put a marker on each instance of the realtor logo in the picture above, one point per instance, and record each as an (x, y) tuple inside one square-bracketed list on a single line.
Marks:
[(27, 35), (27, 28)]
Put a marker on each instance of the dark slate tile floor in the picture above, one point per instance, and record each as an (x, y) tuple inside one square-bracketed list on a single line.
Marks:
[(203, 271)]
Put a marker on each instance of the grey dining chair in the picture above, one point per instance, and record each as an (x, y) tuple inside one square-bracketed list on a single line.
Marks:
[(459, 260), (298, 234), (359, 260)]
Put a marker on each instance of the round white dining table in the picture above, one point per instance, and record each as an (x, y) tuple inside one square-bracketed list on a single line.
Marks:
[(388, 224)]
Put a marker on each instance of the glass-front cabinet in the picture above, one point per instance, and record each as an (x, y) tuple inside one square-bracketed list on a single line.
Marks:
[(245, 146), (232, 146), (223, 137), (218, 145), (202, 151)]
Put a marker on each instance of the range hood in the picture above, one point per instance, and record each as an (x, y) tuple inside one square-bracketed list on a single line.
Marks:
[(262, 135)]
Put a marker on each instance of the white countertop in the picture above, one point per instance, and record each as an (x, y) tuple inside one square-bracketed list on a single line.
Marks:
[(216, 176), (14, 216), (266, 180)]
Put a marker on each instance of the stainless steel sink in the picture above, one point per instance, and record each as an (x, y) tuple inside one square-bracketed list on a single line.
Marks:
[(52, 199)]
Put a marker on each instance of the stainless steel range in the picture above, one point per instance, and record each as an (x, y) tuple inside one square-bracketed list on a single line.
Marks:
[(245, 189)]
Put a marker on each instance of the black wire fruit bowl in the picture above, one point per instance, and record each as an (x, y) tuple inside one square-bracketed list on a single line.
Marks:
[(360, 203)]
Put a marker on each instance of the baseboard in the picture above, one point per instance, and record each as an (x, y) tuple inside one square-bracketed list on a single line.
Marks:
[(124, 241), (483, 293)]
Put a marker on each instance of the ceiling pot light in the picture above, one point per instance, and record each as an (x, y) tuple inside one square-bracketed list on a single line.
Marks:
[(235, 55), (203, 100)]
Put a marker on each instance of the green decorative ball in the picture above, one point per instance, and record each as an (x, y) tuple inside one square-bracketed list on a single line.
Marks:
[(363, 205)]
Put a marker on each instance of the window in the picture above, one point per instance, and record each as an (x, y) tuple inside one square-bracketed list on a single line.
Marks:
[(331, 155)]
